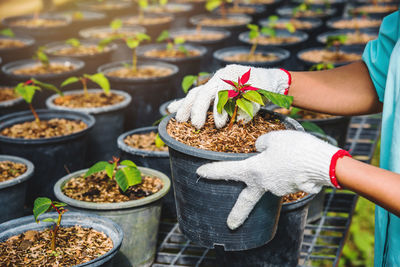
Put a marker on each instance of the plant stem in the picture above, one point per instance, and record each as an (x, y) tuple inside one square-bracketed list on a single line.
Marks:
[(55, 229), (223, 10), (233, 118), (84, 83), (252, 50), (37, 120), (140, 15), (134, 60)]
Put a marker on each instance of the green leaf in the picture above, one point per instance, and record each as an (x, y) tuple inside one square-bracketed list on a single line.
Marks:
[(101, 80), (69, 81), (163, 2), (203, 74), (50, 220), (254, 97), (290, 27), (47, 86), (59, 204), (230, 106), (73, 42), (253, 34), (110, 170), (273, 18), (179, 40), (40, 206), (104, 42), (159, 142), (163, 36), (187, 82), (128, 163), (222, 100), (312, 127), (246, 106), (116, 24), (41, 56), (26, 91), (143, 3), (7, 32), (157, 122), (268, 31), (294, 111), (142, 37), (283, 101), (253, 27), (183, 50), (132, 43), (98, 167), (213, 4), (128, 176)]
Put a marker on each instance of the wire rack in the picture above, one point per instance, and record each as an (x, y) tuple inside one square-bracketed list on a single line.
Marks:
[(323, 239)]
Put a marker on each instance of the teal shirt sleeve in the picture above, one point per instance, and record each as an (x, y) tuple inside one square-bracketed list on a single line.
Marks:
[(377, 52)]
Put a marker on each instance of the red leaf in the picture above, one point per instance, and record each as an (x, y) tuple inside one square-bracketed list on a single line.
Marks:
[(232, 93), (229, 82), (239, 81), (248, 87), (245, 77)]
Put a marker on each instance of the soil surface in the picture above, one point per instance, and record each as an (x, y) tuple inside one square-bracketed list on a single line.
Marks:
[(293, 197), (241, 10), (11, 43), (10, 170), (100, 188), (221, 22), (38, 23), (74, 245), (189, 1), (358, 38), (147, 20), (357, 23), (319, 56), (245, 57), (375, 9), (40, 69), (267, 40), (44, 129), (298, 24), (240, 139), (201, 36), (82, 50), (257, 1), (107, 6), (7, 93), (173, 53), (165, 9), (308, 14), (111, 34), (305, 114), (142, 72), (145, 141), (92, 100)]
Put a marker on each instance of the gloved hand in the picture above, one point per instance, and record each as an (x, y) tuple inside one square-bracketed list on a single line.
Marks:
[(290, 161), (195, 105)]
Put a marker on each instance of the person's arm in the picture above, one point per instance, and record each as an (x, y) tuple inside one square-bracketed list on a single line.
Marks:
[(346, 90)]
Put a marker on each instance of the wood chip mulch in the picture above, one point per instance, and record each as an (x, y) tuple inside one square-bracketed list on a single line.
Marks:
[(293, 197), (10, 170), (7, 93), (100, 188), (44, 129), (245, 57), (173, 53), (144, 141), (38, 69), (141, 72), (11, 43), (92, 100), (74, 245)]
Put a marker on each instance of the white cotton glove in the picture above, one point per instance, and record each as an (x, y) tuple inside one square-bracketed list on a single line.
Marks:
[(290, 161), (197, 102)]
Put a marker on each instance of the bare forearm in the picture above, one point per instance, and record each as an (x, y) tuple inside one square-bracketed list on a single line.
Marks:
[(375, 184), (346, 90)]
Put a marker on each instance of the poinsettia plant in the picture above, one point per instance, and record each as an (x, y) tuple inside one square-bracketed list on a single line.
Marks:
[(243, 95), (97, 78)]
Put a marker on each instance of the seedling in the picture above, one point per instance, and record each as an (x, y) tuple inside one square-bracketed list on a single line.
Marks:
[(304, 7), (244, 95), (97, 78), (133, 43), (307, 125), (213, 4), (42, 57), (142, 4), (322, 66), (73, 42), (27, 91), (336, 41), (173, 44), (125, 173), (7, 32), (189, 80), (77, 15), (254, 33), (44, 204), (159, 143)]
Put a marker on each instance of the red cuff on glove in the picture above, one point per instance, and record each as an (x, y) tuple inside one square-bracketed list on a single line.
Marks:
[(289, 81), (332, 168)]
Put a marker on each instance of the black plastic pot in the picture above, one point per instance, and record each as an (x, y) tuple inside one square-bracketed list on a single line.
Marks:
[(283, 249), (42, 35), (12, 192), (17, 53), (55, 79), (92, 62), (203, 205), (198, 5), (287, 11), (219, 56), (322, 38), (332, 24), (88, 19), (181, 13), (211, 45), (101, 143), (158, 160), (187, 65), (120, 7), (52, 157), (233, 29), (259, 11), (163, 108), (13, 105), (69, 219), (147, 93), (339, 5), (375, 13)]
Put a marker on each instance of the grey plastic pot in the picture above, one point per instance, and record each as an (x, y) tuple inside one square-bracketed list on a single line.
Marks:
[(339, 5), (89, 19), (158, 160), (139, 219), (181, 13), (163, 108), (17, 53), (327, 13), (203, 205), (282, 56), (52, 157), (12, 192), (332, 24), (147, 93), (12, 105), (120, 8), (211, 45), (378, 14), (69, 219), (283, 250), (101, 143), (322, 38), (92, 62), (259, 11)]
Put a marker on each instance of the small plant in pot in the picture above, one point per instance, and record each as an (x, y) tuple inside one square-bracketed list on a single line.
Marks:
[(14, 47), (111, 8), (307, 10), (107, 106), (61, 237), (375, 10), (356, 37), (129, 195), (355, 23)]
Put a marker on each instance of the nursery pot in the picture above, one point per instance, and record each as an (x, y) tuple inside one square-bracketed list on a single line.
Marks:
[(259, 10), (69, 219), (327, 13), (12, 192), (17, 53), (281, 54), (283, 249), (147, 93), (12, 105), (375, 11), (88, 19), (158, 160), (139, 219), (181, 13), (339, 5), (163, 107), (101, 143), (343, 23), (323, 37), (119, 8), (203, 205), (52, 157)]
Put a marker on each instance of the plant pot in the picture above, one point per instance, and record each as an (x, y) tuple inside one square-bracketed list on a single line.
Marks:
[(163, 107), (11, 105), (55, 79), (101, 143), (281, 54), (198, 5), (371, 24), (69, 219), (139, 219), (42, 35), (256, 12), (158, 160), (17, 53), (239, 25), (92, 61), (210, 45), (154, 23), (52, 157), (293, 47), (283, 250), (378, 11), (181, 13), (339, 5), (364, 37), (12, 192), (111, 8), (327, 13), (144, 107), (203, 205), (188, 65), (82, 19)]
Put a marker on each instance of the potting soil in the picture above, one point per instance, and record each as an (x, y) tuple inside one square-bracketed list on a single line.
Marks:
[(39, 69), (141, 72), (357, 23), (200, 36), (172, 53), (245, 57), (267, 40), (145, 141), (222, 22), (305, 114), (7, 93), (10, 170), (293, 197), (323, 55), (11, 43), (38, 23), (92, 100), (82, 50)]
